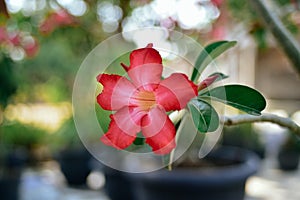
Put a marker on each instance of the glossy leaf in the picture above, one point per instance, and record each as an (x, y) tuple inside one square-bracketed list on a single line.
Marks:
[(207, 55), (204, 116), (241, 97)]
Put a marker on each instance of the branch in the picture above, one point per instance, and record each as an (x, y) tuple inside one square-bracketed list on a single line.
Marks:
[(284, 38), (282, 121), (3, 8)]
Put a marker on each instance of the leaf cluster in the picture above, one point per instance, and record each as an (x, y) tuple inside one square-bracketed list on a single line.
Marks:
[(243, 98)]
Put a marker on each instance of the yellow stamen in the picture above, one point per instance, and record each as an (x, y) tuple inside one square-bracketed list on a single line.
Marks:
[(145, 100)]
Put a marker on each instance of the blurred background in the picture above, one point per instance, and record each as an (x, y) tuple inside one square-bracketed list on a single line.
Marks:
[(43, 43)]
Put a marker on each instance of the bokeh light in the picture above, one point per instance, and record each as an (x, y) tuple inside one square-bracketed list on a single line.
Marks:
[(48, 117), (109, 15)]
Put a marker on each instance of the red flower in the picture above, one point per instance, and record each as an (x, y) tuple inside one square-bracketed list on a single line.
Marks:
[(141, 103)]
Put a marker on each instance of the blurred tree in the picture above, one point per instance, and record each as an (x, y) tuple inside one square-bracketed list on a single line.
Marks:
[(274, 16)]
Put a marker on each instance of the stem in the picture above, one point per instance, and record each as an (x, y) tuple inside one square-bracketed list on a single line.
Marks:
[(171, 160), (284, 38), (178, 119), (282, 121)]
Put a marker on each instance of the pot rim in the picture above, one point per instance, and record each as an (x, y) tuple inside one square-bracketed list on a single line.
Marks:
[(248, 164)]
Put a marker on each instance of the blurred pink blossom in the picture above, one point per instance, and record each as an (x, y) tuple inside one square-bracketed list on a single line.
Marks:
[(56, 19), (10, 40)]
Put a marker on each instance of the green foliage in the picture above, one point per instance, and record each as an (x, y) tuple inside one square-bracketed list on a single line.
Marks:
[(51, 73), (208, 54), (244, 98), (204, 116), (66, 137), (8, 83), (56, 58), (283, 2), (17, 134), (139, 140), (103, 116), (242, 11), (115, 66), (238, 96), (290, 25), (259, 34), (54, 90)]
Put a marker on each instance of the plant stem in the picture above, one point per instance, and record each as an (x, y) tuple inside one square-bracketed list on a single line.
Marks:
[(180, 120), (284, 38), (282, 121)]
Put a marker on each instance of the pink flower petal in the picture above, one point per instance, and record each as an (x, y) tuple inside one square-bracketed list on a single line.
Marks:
[(146, 75), (159, 131), (174, 92), (116, 92), (129, 119), (124, 126), (143, 56), (116, 137)]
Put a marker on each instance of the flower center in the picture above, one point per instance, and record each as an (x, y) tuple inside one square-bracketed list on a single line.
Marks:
[(144, 99)]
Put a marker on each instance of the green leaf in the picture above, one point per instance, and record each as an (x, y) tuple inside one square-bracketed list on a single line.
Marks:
[(207, 55), (139, 140), (241, 97), (204, 116)]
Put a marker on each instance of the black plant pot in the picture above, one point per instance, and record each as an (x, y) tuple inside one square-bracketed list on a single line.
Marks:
[(117, 185), (11, 174), (9, 187), (212, 183), (288, 159), (75, 165)]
